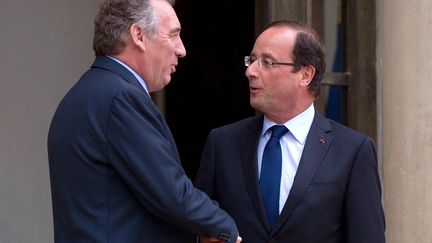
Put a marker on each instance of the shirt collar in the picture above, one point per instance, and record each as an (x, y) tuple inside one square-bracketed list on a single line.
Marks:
[(140, 80), (298, 126)]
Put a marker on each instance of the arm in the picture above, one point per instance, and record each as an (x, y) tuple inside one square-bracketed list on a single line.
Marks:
[(364, 216), (140, 149)]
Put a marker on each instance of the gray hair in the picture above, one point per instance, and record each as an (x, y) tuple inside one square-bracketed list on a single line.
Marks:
[(112, 23)]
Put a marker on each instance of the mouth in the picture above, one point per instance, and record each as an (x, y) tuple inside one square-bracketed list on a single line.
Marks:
[(254, 89), (173, 68)]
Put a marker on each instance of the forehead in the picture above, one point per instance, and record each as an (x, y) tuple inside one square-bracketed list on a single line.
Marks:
[(166, 14), (276, 39)]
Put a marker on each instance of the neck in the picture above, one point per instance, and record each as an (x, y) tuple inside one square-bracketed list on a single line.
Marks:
[(282, 116)]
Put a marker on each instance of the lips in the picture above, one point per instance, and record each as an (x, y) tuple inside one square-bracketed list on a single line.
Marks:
[(254, 89), (254, 86), (173, 68)]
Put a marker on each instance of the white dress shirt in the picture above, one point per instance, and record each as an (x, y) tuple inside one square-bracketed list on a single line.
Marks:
[(292, 145)]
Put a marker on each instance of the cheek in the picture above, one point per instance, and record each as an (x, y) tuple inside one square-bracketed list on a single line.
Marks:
[(281, 89), (276, 85)]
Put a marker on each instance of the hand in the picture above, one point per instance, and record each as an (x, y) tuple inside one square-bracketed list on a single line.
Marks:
[(239, 239), (206, 239)]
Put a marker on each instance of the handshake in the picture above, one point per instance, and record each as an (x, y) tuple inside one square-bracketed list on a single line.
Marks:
[(214, 240)]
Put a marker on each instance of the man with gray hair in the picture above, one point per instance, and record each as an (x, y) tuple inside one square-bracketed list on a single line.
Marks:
[(115, 171)]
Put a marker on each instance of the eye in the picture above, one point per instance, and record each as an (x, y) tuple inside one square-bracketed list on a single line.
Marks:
[(268, 62), (174, 35)]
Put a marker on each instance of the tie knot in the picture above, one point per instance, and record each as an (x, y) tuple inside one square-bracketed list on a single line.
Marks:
[(278, 131)]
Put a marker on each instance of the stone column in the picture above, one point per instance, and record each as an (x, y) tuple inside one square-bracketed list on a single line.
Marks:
[(405, 117)]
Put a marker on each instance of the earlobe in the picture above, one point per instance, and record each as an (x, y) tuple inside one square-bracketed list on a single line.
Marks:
[(308, 73), (137, 36)]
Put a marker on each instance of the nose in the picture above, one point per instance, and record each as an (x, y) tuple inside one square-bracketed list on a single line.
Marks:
[(180, 50), (251, 71)]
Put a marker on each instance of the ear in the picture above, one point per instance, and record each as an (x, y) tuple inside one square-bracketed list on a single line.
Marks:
[(308, 72), (137, 36)]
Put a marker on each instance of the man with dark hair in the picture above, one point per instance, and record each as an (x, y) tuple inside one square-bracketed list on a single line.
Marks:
[(114, 167), (291, 175)]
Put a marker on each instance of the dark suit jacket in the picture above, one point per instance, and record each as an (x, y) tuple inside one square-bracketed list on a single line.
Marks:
[(115, 170), (335, 197)]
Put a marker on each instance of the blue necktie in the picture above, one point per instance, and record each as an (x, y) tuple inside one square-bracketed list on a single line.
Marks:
[(270, 177)]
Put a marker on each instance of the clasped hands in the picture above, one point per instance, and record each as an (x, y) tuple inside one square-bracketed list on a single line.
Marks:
[(204, 239)]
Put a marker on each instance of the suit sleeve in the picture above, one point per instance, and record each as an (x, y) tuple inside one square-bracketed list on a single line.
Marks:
[(365, 222), (205, 178), (141, 152)]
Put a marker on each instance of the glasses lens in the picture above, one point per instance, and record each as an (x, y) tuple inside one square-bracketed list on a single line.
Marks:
[(247, 61)]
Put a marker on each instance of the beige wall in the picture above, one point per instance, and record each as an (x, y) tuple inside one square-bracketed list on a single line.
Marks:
[(45, 46), (405, 75)]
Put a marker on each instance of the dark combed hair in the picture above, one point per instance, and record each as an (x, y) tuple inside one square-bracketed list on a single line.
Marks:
[(308, 50)]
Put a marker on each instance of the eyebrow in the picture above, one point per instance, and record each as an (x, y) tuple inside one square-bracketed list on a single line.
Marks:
[(264, 55), (267, 55)]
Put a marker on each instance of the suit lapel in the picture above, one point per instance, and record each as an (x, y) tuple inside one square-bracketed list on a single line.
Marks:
[(250, 164), (317, 143)]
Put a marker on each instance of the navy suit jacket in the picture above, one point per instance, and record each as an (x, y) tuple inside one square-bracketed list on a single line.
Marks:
[(115, 170), (335, 197)]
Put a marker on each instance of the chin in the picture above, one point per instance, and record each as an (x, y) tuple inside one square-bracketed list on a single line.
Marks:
[(254, 105), (163, 82), (166, 82)]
